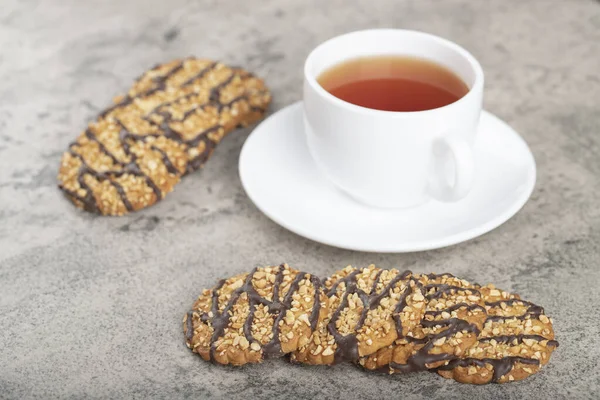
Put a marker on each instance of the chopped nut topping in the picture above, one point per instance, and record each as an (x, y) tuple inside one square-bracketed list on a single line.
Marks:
[(128, 159), (255, 346), (249, 299)]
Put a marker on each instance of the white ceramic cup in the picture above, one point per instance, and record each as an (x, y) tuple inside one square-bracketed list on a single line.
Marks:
[(386, 158)]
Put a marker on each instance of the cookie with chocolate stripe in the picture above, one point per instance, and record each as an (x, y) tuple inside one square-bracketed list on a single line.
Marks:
[(210, 100), (517, 339), (167, 125), (268, 312), (453, 316), (368, 309)]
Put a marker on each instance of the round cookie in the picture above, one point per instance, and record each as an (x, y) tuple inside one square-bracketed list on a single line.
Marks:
[(368, 309), (167, 125), (454, 315), (516, 341), (268, 312)]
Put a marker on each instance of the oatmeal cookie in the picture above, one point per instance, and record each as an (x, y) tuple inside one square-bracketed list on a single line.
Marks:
[(268, 312), (454, 315), (167, 125), (368, 309), (516, 341)]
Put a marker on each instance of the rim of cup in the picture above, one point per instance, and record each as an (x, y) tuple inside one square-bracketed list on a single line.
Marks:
[(475, 87)]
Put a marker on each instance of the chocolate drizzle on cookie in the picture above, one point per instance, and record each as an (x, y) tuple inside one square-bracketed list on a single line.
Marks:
[(533, 310), (347, 345), (220, 320), (456, 307), (126, 138), (501, 366), (200, 74), (423, 358), (88, 200), (504, 365)]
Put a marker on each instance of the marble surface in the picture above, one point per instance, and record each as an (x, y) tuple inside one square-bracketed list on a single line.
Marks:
[(92, 306)]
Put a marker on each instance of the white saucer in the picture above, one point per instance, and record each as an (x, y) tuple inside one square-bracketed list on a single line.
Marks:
[(280, 177)]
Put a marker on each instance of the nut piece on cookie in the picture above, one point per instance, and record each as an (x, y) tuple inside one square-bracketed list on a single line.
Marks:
[(454, 315), (516, 341), (368, 309), (267, 313), (167, 125)]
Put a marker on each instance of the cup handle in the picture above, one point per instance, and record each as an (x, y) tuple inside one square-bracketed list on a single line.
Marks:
[(451, 154)]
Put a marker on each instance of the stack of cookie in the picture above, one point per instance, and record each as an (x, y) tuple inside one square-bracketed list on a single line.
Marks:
[(377, 318), (167, 125)]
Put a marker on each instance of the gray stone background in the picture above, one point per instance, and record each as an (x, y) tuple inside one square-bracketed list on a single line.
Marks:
[(92, 306)]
